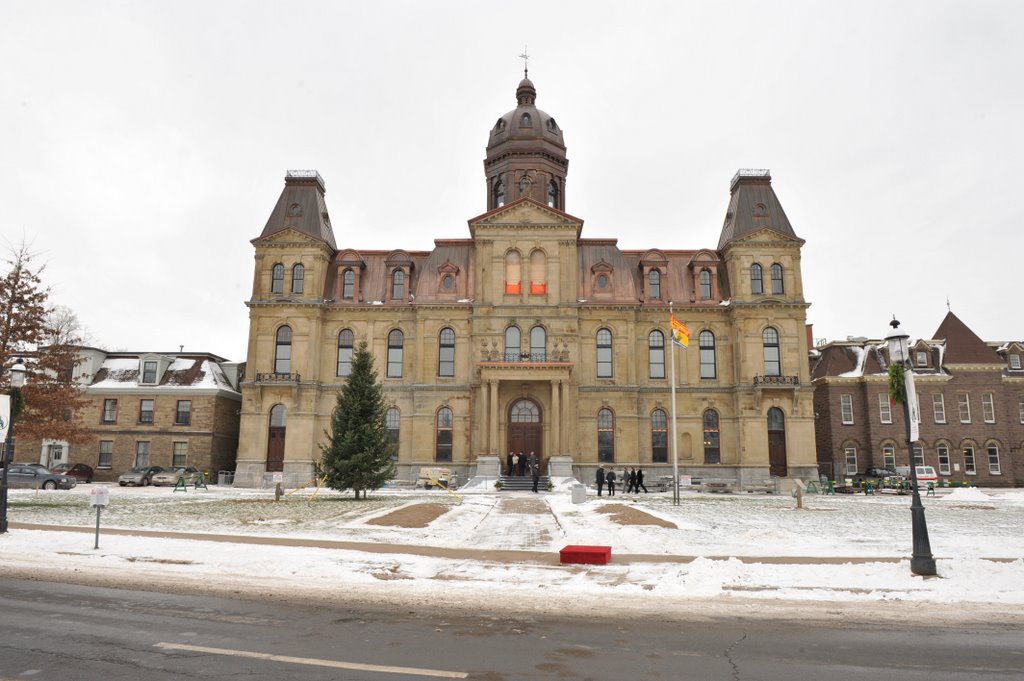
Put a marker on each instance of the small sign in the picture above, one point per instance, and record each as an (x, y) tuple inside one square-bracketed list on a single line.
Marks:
[(278, 477), (685, 481), (99, 496)]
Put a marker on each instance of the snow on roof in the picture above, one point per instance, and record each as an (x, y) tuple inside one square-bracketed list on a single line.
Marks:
[(858, 370), (122, 373)]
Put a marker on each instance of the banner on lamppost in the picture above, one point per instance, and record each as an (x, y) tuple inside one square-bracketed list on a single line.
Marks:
[(913, 407), (5, 416)]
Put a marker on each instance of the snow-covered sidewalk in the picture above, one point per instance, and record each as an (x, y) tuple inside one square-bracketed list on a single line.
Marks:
[(733, 552)]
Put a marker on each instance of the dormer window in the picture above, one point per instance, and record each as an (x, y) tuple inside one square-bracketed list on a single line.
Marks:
[(397, 285), (922, 358), (348, 284), (1015, 361), (500, 125), (654, 279), (149, 372), (526, 121), (552, 126), (705, 284)]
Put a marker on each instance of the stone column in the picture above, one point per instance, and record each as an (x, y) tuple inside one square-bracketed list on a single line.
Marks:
[(556, 414), (492, 426)]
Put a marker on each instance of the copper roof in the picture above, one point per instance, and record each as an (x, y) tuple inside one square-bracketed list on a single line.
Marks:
[(302, 207), (753, 206)]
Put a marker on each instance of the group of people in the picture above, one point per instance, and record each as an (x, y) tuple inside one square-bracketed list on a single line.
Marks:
[(632, 478), (520, 465)]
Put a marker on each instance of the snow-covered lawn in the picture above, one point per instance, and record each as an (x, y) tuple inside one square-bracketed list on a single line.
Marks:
[(968, 529)]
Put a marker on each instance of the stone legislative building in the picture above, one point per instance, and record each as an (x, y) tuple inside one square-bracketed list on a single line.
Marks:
[(529, 337)]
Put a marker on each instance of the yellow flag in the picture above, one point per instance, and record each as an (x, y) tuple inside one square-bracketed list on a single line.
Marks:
[(680, 334)]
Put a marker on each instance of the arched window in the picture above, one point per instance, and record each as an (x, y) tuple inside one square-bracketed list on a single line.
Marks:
[(277, 279), (776, 420), (772, 363), (756, 279), (396, 340), (525, 411), (278, 416), (654, 279), (659, 437), (283, 351), (605, 436), (298, 278), (889, 457), (446, 352), (348, 284), (538, 272), (499, 193), (345, 341), (513, 344), (538, 344), (942, 451), (993, 459), (656, 354), (552, 193), (850, 456), (525, 120), (712, 450), (706, 341), (777, 287), (392, 422), (604, 353), (397, 285), (443, 448), (705, 284), (970, 467), (513, 273)]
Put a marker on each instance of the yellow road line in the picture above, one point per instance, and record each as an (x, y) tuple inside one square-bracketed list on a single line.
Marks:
[(314, 662)]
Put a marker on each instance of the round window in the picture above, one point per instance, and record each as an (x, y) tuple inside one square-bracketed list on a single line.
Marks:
[(448, 283)]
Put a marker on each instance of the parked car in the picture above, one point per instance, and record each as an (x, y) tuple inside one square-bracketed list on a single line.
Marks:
[(33, 465), (37, 477), (171, 476), (140, 475), (78, 471)]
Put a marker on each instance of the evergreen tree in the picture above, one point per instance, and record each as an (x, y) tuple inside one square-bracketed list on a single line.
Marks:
[(357, 455), (48, 340)]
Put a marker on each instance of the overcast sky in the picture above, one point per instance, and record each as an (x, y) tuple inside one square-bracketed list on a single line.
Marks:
[(145, 143)]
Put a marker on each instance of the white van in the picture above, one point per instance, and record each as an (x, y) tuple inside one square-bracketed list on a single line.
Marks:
[(926, 474)]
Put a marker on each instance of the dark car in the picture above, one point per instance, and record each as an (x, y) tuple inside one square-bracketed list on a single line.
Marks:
[(33, 465), (79, 471), (140, 475), (875, 474), (34, 477)]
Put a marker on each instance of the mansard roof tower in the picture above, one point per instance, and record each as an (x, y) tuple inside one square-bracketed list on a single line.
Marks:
[(526, 155)]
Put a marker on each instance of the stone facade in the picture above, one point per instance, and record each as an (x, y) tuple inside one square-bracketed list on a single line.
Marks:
[(124, 429), (971, 400), (527, 336)]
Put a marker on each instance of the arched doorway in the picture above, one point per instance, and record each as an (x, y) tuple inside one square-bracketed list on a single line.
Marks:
[(777, 443), (275, 439), (525, 429)]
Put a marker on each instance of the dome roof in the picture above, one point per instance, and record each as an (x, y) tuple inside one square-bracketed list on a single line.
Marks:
[(526, 122)]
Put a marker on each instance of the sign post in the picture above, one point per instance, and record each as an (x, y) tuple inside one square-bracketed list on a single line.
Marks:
[(98, 497)]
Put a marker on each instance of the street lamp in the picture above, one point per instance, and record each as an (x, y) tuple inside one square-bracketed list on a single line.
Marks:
[(921, 563), (17, 381)]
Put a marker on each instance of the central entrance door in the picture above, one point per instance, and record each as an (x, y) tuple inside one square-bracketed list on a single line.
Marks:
[(275, 439), (525, 430)]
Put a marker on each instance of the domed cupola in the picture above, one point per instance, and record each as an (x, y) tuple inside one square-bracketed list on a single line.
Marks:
[(526, 155)]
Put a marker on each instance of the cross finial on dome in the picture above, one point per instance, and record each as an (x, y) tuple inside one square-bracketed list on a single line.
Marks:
[(525, 56)]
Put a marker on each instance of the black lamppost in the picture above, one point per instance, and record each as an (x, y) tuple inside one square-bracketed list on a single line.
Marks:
[(921, 563), (17, 380)]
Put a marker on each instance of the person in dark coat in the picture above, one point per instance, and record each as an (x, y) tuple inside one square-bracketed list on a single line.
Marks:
[(522, 465), (630, 481), (532, 461), (534, 471), (508, 460), (609, 480), (600, 479), (639, 481)]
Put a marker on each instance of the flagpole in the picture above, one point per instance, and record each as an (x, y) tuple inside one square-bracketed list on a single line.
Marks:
[(675, 453)]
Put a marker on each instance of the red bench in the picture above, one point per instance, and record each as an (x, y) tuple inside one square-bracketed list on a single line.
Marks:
[(597, 555)]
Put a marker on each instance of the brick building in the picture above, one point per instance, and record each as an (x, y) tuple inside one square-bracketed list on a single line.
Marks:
[(971, 395), (528, 337), (163, 409)]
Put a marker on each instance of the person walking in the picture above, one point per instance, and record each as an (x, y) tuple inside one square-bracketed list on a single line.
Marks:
[(609, 480), (510, 467), (515, 465), (630, 481), (639, 481), (534, 471), (522, 465), (600, 479), (532, 461)]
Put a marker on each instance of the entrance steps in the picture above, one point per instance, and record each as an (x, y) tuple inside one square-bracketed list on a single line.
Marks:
[(523, 483)]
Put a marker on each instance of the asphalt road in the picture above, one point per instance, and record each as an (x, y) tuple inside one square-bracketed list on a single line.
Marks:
[(81, 633)]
